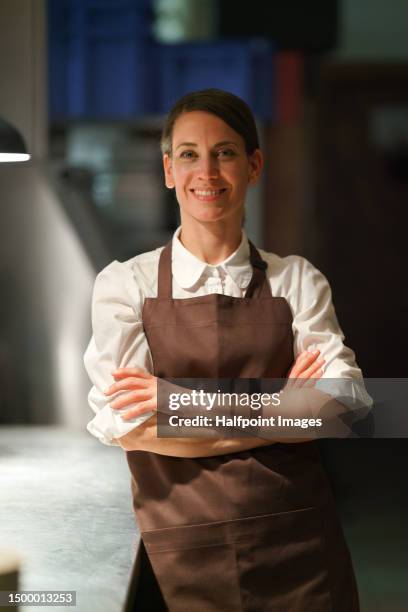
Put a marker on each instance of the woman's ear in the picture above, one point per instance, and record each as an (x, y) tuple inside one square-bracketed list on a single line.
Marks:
[(168, 171), (256, 163)]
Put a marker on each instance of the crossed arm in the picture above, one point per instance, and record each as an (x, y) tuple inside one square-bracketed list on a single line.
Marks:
[(139, 386)]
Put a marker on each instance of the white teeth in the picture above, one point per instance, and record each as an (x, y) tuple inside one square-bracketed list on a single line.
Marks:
[(207, 193)]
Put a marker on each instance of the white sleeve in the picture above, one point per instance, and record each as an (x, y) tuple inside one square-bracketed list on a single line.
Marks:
[(118, 341), (315, 326)]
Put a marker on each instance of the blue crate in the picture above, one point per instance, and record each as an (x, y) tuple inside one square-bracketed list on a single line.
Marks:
[(245, 68), (97, 58), (104, 64)]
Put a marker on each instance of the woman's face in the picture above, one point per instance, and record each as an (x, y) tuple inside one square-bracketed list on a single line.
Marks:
[(209, 168)]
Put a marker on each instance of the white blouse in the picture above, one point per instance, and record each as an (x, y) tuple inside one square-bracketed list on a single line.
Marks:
[(119, 341)]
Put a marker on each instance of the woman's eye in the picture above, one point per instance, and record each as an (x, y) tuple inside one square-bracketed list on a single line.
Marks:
[(226, 153), (187, 154)]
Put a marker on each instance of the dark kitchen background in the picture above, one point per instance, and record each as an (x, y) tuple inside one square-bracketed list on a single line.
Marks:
[(88, 83)]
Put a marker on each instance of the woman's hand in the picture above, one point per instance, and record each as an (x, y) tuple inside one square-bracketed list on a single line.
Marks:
[(306, 369), (141, 387)]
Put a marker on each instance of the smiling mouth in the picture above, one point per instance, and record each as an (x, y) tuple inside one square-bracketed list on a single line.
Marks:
[(208, 194)]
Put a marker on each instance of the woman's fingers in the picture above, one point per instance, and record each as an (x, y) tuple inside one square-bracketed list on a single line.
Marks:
[(305, 368), (142, 390), (310, 382), (303, 361), (127, 383), (308, 372), (142, 408), (309, 379), (130, 398), (126, 372)]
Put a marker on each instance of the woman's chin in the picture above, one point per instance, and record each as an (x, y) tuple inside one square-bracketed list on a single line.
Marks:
[(211, 215)]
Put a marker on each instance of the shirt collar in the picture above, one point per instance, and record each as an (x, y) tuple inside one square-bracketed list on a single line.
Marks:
[(188, 269)]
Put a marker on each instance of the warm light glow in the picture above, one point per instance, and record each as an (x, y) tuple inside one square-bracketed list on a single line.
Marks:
[(14, 157)]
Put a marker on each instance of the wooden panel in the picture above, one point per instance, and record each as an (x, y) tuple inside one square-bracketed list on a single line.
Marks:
[(362, 195)]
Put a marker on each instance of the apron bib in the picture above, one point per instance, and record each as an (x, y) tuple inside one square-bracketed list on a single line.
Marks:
[(252, 531)]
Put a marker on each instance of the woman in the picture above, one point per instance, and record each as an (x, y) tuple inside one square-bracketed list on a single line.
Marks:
[(227, 524)]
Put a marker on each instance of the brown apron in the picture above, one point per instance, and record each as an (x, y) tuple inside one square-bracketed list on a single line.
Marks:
[(252, 531)]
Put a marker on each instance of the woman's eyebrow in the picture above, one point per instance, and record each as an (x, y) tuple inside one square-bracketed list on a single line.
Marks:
[(186, 144), (225, 142), (218, 144)]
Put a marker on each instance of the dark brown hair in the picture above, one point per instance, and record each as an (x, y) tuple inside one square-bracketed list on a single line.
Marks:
[(225, 105)]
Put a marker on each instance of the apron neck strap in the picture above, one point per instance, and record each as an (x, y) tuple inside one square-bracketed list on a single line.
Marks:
[(258, 286), (165, 278)]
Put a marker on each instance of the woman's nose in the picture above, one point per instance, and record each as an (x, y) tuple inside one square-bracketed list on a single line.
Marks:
[(208, 167)]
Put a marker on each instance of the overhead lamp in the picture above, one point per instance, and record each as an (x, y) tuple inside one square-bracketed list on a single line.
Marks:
[(12, 145)]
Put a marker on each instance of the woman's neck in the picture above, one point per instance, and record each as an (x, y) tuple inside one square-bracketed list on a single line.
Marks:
[(210, 242)]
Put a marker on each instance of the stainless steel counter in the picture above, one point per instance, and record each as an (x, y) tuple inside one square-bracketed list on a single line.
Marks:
[(65, 506)]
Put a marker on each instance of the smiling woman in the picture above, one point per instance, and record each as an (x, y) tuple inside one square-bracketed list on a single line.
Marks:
[(226, 524), (210, 170)]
